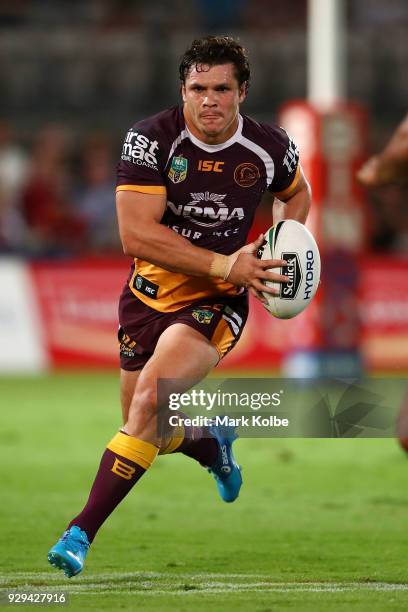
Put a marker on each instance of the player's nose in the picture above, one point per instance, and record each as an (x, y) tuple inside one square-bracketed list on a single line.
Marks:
[(209, 101)]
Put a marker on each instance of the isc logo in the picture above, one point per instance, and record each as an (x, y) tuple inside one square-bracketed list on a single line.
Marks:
[(206, 165)]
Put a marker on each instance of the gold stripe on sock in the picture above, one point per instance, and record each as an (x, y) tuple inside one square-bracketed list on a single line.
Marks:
[(173, 442), (140, 452)]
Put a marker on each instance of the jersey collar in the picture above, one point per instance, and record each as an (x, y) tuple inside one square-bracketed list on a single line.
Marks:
[(217, 147)]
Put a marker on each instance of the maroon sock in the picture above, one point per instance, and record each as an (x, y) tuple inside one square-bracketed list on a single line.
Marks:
[(199, 445), (115, 477)]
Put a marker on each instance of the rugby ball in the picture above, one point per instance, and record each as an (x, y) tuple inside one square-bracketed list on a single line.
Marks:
[(291, 241)]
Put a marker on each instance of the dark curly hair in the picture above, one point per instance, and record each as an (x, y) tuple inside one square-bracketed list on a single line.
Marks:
[(213, 51)]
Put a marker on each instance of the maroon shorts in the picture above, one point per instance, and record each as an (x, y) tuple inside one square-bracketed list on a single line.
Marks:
[(221, 320)]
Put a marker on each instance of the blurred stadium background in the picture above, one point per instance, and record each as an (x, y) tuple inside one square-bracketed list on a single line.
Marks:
[(329, 514), (75, 76)]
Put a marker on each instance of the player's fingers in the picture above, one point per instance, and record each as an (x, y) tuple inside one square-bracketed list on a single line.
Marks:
[(269, 264), (258, 295), (368, 174), (273, 263), (273, 277), (258, 242), (252, 247), (259, 286)]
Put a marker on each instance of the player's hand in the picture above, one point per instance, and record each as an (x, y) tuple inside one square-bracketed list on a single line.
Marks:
[(245, 270), (379, 171), (372, 173)]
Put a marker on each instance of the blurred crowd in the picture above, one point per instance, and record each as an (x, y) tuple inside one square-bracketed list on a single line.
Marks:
[(57, 195), (138, 14), (75, 74), (75, 59)]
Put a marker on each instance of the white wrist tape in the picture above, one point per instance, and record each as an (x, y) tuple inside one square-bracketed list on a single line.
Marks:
[(220, 267)]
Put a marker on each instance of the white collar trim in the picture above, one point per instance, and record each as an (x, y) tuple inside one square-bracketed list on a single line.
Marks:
[(217, 147)]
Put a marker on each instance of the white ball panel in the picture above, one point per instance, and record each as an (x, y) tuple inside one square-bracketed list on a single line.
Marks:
[(292, 241)]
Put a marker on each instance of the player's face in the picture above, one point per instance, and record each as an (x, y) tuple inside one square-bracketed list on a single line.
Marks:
[(211, 97)]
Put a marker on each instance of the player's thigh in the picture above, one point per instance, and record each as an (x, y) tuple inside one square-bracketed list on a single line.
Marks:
[(182, 358), (181, 353), (128, 380)]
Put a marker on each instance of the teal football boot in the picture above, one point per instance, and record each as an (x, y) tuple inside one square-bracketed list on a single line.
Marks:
[(226, 471), (70, 551)]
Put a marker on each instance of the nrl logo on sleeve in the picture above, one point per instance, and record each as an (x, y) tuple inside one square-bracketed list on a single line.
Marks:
[(202, 316), (178, 169)]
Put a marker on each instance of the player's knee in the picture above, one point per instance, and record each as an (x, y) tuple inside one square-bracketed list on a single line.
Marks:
[(144, 402)]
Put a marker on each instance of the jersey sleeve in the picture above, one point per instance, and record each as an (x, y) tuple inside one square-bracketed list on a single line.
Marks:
[(140, 167), (286, 162)]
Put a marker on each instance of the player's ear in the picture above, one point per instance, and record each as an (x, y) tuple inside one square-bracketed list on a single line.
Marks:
[(243, 92), (183, 91)]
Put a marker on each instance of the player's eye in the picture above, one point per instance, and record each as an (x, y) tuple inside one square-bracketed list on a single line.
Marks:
[(197, 88), (222, 88)]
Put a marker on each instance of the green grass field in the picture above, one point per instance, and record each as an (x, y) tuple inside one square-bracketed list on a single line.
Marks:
[(320, 524)]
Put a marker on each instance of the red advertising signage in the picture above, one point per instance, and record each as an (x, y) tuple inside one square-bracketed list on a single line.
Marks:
[(384, 313), (78, 302), (78, 309), (332, 146)]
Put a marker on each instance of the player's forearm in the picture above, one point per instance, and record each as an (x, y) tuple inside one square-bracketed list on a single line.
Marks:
[(393, 161), (297, 207), (397, 148), (391, 165), (163, 247), (391, 169)]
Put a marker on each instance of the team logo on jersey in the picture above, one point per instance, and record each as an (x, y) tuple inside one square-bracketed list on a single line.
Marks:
[(246, 174), (178, 169), (206, 209), (202, 316), (140, 150)]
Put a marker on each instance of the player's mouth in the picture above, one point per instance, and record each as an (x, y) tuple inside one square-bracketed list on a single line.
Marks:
[(211, 116)]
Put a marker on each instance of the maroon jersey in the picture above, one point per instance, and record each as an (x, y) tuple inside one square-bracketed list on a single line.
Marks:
[(212, 193)]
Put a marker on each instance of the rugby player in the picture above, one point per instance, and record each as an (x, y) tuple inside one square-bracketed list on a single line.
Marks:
[(390, 166), (188, 184)]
